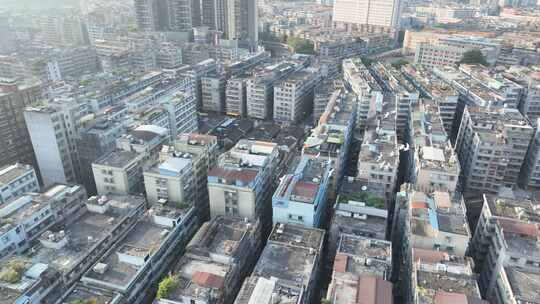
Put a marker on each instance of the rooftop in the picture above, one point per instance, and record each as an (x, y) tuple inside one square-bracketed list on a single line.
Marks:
[(11, 172), (297, 236), (525, 284), (303, 186), (80, 236), (84, 293), (437, 211), (118, 159), (128, 257)]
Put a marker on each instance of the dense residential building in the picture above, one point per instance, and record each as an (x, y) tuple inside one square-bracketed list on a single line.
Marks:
[(96, 139), (435, 164), (242, 181), (444, 96), (331, 138), (70, 252), (71, 62), (358, 78), (505, 249), (293, 96), (362, 271), (203, 151), (368, 12), (530, 81), (300, 248), (260, 89), (491, 146), (171, 180), (119, 172), (378, 161), (477, 87), (215, 263), (16, 145), (24, 219), (165, 15), (52, 128), (236, 97), (144, 254), (213, 92), (438, 277), (360, 210), (432, 220), (302, 196), (405, 96), (16, 180)]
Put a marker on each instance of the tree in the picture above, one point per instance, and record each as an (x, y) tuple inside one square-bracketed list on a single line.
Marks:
[(165, 287), (473, 57), (301, 46), (366, 61), (399, 63)]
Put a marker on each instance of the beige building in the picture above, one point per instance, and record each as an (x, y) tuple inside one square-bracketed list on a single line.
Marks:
[(241, 182), (170, 181), (119, 172)]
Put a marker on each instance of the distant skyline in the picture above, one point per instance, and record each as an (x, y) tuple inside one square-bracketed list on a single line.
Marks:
[(38, 4)]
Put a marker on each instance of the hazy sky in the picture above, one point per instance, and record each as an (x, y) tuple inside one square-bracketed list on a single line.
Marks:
[(39, 4)]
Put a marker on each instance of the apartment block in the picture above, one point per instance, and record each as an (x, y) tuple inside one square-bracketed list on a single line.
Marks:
[(241, 183), (491, 146), (331, 138), (24, 219), (236, 97), (362, 270), (96, 138), (444, 96), (359, 210), (358, 78), (143, 255), (439, 277), (433, 220), (293, 96), (171, 180), (119, 172), (16, 144), (52, 129), (16, 180), (72, 250), (368, 12), (436, 166), (378, 161), (430, 55), (213, 92), (203, 150), (299, 249), (302, 196), (71, 62), (215, 263), (490, 91), (505, 249), (260, 88)]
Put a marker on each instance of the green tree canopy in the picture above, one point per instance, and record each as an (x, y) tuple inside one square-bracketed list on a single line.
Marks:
[(399, 63), (301, 46), (166, 286), (473, 57)]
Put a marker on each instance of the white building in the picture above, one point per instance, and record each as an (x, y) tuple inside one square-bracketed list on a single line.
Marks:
[(16, 180), (384, 13)]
